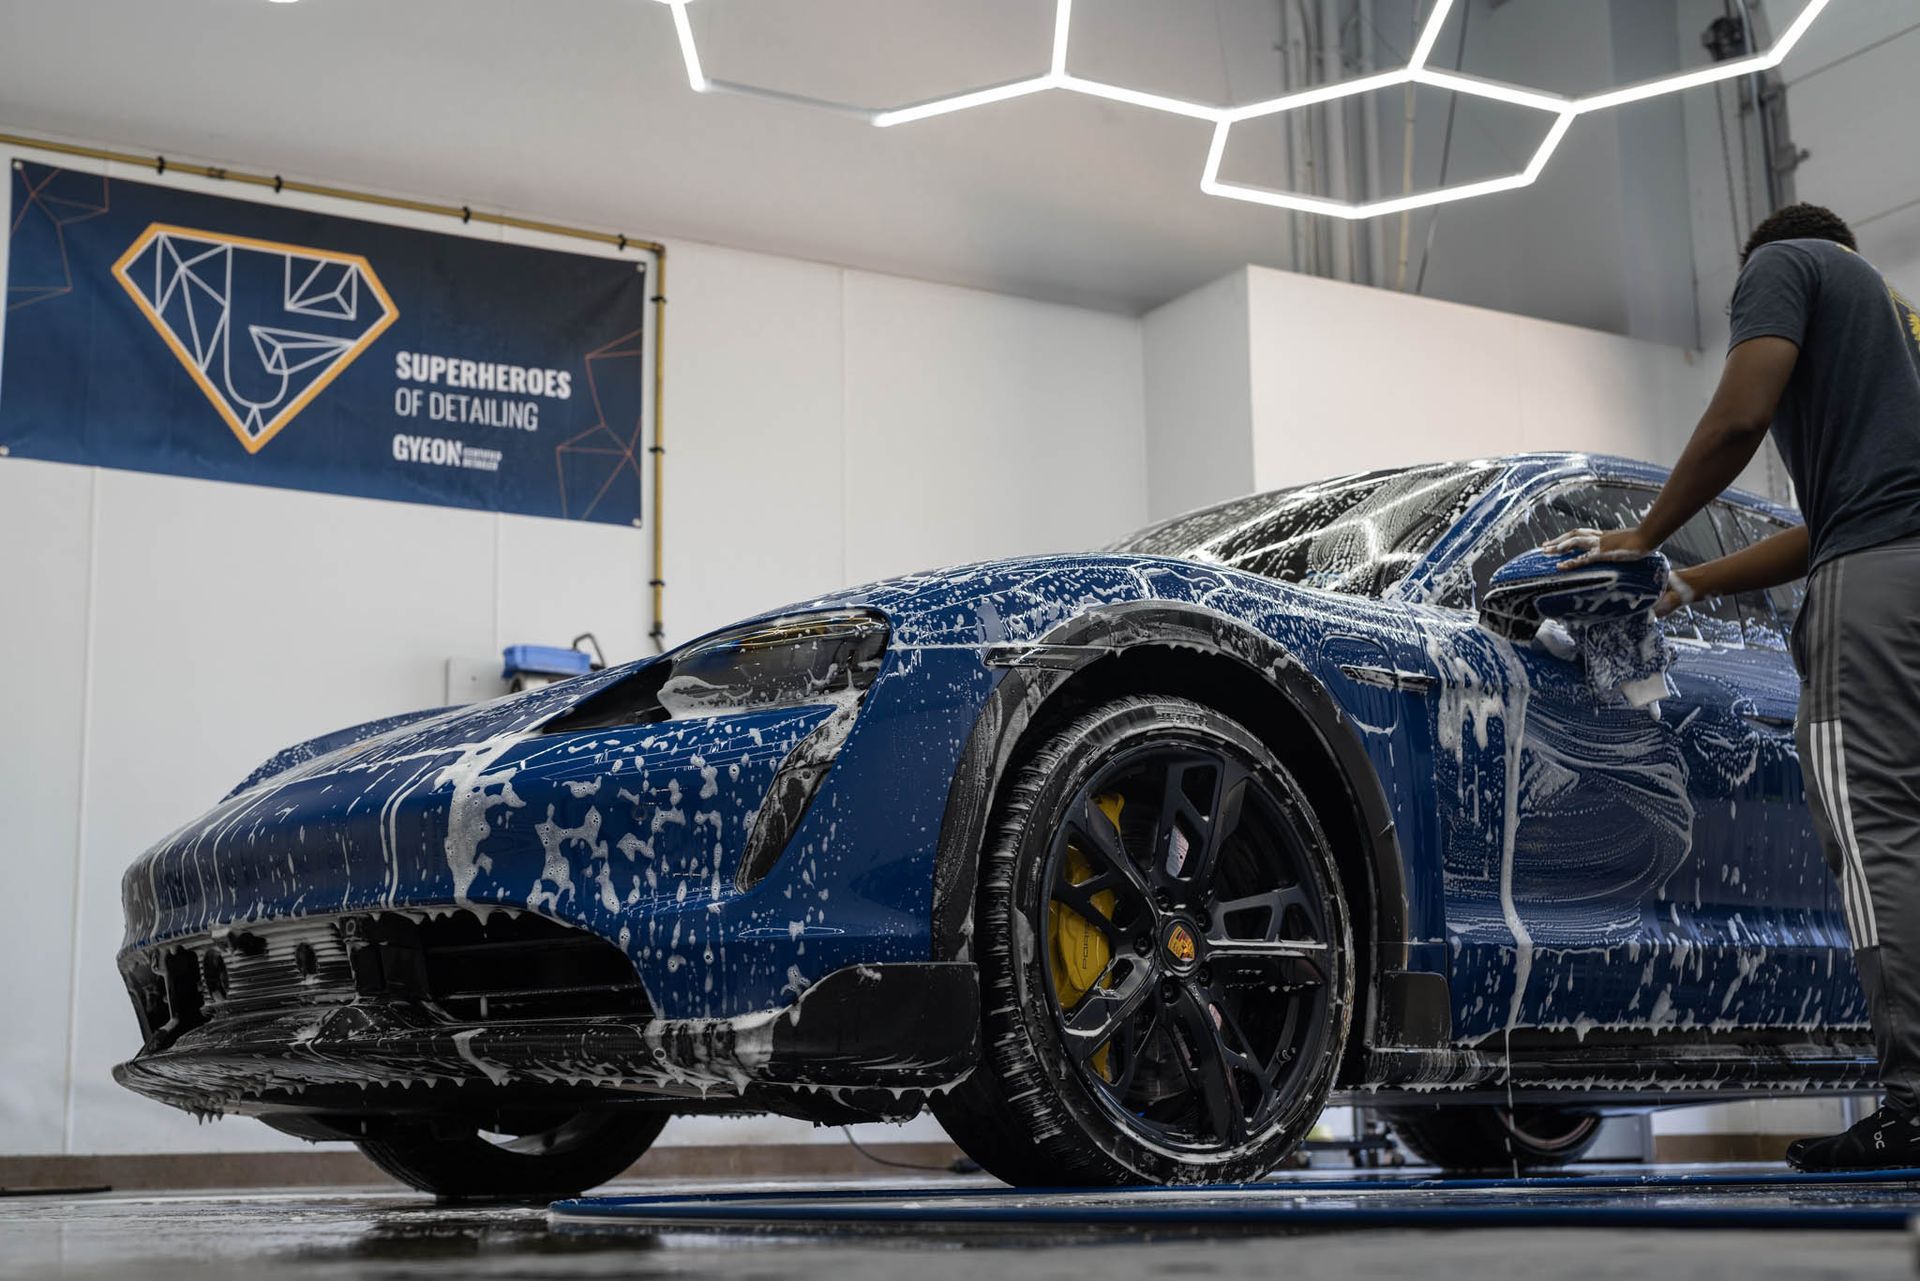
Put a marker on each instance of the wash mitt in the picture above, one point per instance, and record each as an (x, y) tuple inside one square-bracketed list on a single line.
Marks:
[(1602, 614)]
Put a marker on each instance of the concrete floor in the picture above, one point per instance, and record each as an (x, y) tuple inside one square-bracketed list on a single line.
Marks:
[(398, 1236)]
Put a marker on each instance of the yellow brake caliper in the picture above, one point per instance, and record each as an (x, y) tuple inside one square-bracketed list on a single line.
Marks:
[(1080, 951)]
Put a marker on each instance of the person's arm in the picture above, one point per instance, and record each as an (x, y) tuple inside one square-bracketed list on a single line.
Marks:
[(1768, 563), (1723, 443)]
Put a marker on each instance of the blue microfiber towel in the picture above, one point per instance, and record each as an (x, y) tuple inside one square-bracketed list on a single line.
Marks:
[(1604, 613)]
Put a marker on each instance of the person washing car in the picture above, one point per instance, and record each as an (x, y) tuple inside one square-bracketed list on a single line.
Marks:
[(1826, 354)]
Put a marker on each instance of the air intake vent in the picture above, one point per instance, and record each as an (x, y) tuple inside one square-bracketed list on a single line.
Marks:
[(465, 969), (506, 967)]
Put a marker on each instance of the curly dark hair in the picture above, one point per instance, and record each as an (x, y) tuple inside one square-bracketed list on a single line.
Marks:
[(1800, 222)]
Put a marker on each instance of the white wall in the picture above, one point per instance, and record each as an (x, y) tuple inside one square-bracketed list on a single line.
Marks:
[(159, 636), (43, 632), (1345, 379), (1853, 99), (1309, 378), (1199, 398), (829, 426)]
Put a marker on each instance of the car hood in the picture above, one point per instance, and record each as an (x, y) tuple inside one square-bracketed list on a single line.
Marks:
[(1021, 599), (433, 730), (1017, 600)]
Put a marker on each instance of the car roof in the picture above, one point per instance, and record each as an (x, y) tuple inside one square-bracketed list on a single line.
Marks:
[(1544, 463)]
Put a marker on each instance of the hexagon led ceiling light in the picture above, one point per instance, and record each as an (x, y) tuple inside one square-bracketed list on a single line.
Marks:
[(1563, 108)]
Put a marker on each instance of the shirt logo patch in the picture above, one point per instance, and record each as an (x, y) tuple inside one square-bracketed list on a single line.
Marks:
[(1904, 306)]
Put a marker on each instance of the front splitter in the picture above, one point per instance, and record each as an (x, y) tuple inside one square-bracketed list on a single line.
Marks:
[(902, 1026)]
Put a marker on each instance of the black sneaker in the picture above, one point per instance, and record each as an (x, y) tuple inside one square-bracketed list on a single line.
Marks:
[(1887, 1140)]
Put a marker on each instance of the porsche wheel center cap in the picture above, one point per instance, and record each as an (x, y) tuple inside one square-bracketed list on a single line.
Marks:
[(1180, 943)]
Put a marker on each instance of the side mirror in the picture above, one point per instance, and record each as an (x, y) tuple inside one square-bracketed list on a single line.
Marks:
[(1532, 588)]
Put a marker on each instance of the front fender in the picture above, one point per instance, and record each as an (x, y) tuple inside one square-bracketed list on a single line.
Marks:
[(1036, 671)]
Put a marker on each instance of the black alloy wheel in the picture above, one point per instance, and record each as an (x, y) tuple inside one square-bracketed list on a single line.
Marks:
[(1166, 955), (530, 1158), (1493, 1136)]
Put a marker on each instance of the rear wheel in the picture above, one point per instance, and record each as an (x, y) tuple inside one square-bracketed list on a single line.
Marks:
[(1490, 1137), (540, 1159), (1164, 954)]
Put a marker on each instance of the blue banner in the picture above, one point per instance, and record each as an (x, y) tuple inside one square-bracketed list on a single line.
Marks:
[(168, 331)]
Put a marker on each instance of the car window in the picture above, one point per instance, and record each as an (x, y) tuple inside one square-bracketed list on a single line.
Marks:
[(1365, 547), (1786, 599), (1612, 505), (1355, 534), (1758, 626), (1571, 507), (1712, 618)]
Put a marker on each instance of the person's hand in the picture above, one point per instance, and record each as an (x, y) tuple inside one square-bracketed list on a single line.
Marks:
[(1582, 547), (1679, 592)]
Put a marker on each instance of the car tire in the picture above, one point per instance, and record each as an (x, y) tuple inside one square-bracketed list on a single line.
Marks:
[(566, 1157), (1233, 1041), (1473, 1137)]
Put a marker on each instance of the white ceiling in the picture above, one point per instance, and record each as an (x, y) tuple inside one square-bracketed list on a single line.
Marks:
[(579, 110)]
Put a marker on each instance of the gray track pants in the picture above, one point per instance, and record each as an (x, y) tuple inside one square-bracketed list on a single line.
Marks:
[(1857, 644)]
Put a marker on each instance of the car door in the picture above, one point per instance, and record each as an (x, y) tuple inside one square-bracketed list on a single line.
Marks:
[(1785, 832), (1559, 847), (1750, 905), (1615, 888)]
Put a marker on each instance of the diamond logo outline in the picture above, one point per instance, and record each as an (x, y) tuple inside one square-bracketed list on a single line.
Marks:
[(357, 272)]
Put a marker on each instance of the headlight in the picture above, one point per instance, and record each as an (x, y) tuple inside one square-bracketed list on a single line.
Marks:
[(805, 658)]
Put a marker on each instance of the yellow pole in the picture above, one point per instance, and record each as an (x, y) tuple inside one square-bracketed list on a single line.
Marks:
[(659, 452)]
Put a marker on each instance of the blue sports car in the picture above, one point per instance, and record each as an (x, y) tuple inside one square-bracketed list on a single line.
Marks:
[(1121, 863)]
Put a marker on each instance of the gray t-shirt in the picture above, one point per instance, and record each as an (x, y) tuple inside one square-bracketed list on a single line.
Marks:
[(1848, 426)]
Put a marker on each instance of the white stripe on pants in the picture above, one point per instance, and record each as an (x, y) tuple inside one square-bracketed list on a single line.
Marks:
[(1830, 766)]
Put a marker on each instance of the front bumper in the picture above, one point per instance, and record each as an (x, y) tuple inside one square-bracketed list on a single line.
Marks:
[(891, 1027), (638, 835)]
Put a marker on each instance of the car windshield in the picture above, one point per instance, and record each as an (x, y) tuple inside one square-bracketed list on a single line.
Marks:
[(1355, 534)]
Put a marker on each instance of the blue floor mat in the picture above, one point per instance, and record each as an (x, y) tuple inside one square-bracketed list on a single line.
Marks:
[(1769, 1199)]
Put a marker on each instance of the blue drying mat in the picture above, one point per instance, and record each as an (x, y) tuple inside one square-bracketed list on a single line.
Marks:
[(1887, 1200), (1647, 1179)]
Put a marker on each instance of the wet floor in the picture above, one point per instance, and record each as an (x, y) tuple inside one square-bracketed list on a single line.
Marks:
[(397, 1236)]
